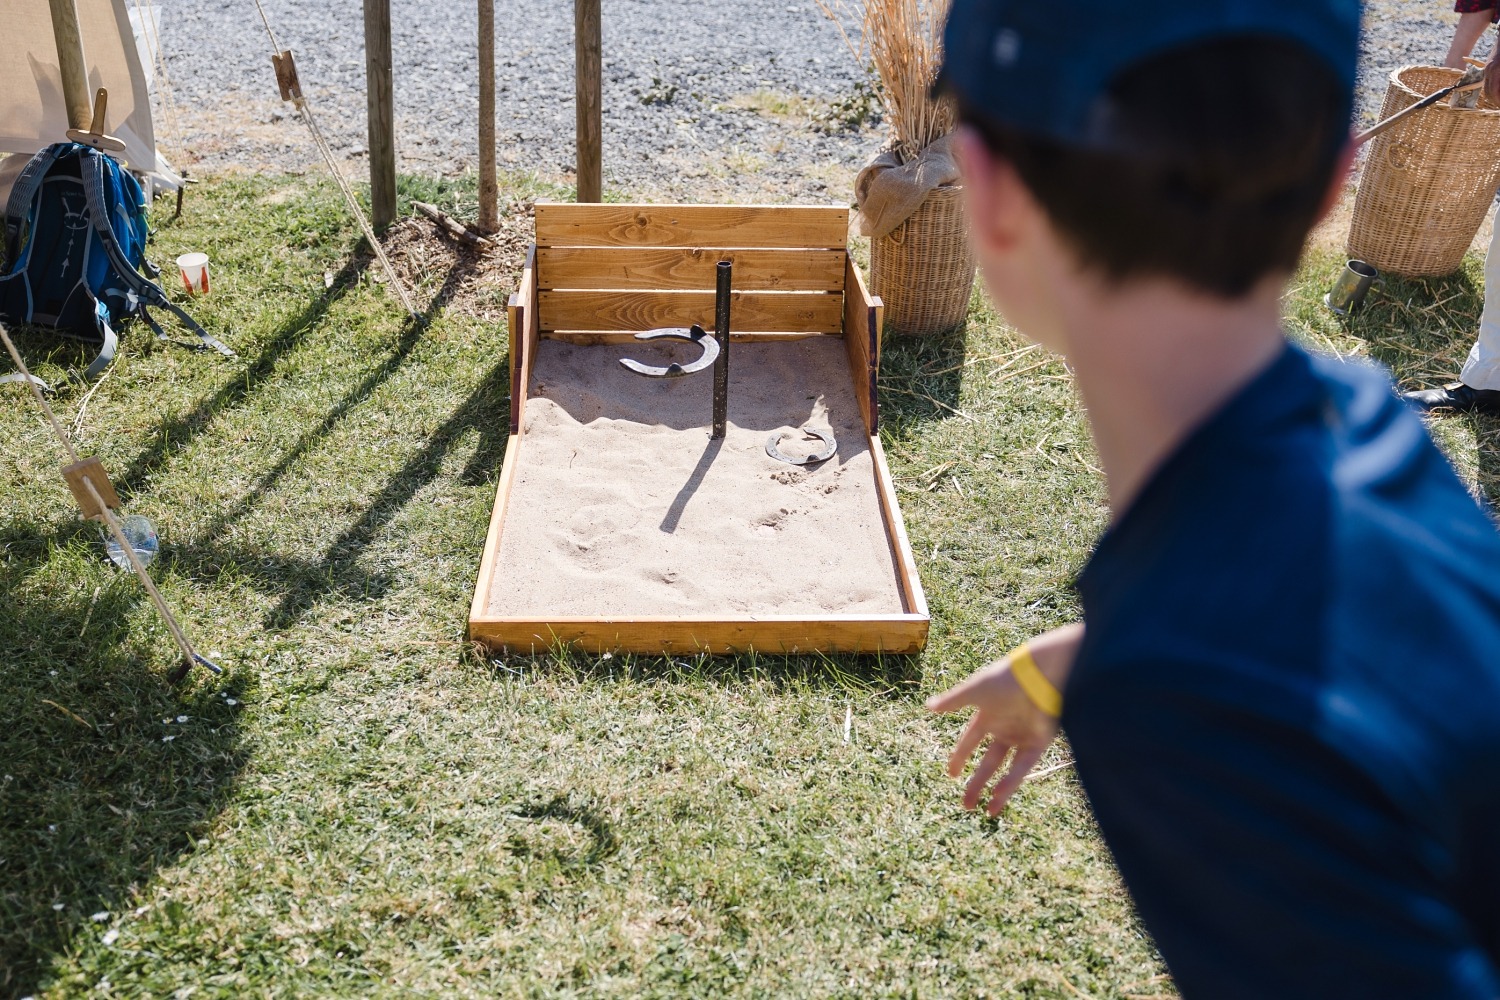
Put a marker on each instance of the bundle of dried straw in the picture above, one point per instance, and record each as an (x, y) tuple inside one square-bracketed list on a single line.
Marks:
[(904, 41)]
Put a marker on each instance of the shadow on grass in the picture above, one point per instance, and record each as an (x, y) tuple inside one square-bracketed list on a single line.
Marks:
[(484, 411), (1422, 329), (337, 568), (411, 335), (303, 582), (100, 784), (242, 383), (894, 675), (26, 548), (337, 571), (603, 845), (921, 379)]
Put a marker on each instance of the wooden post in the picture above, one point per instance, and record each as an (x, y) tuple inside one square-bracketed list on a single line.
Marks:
[(586, 59), (489, 219), (71, 63), (381, 107)]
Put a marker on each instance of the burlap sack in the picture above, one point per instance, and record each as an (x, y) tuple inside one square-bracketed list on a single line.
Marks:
[(888, 191)]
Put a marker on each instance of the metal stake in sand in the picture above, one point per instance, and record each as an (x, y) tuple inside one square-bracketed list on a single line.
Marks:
[(715, 351), (721, 363), (96, 500)]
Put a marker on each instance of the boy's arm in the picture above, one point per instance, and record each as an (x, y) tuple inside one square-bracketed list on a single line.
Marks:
[(1008, 716)]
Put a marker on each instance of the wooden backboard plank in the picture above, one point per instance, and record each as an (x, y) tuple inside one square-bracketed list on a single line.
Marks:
[(567, 224), (789, 312), (689, 268)]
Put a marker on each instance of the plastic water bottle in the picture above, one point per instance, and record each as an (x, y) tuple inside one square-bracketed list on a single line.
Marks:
[(140, 533)]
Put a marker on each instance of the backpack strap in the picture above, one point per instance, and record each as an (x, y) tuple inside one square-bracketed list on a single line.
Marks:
[(19, 207), (152, 323), (18, 377), (108, 343), (93, 188)]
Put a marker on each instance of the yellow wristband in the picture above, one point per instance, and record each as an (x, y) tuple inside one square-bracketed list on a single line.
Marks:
[(1038, 689)]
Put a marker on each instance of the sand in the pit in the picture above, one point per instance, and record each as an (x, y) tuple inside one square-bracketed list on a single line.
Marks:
[(623, 506)]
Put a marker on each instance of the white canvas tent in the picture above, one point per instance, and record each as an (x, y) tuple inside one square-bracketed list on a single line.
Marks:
[(32, 111)]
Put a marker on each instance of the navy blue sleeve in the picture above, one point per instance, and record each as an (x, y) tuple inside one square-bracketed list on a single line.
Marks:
[(1266, 863)]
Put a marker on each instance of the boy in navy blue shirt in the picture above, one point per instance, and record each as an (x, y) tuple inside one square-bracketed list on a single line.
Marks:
[(1284, 699)]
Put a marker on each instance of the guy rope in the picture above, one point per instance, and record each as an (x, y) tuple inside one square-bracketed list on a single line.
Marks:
[(96, 499), (291, 90)]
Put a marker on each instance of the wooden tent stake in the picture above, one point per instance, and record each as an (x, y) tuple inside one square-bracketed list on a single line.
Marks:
[(87, 479)]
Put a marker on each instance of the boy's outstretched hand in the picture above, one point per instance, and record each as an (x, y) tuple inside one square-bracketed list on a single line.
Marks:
[(1007, 717)]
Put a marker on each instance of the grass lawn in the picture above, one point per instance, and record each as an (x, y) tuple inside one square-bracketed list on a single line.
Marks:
[(363, 804)]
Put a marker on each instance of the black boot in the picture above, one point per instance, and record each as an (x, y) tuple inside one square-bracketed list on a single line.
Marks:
[(1456, 396)]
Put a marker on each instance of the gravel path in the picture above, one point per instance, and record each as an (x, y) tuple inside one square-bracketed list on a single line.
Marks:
[(1399, 33), (675, 75), (671, 68)]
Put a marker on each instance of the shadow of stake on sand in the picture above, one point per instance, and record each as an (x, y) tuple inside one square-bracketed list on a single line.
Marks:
[(700, 471)]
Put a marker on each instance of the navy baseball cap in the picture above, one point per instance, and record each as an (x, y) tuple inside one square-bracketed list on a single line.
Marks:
[(1044, 68)]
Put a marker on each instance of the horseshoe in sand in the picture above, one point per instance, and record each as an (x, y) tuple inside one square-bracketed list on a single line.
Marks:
[(829, 447), (694, 335)]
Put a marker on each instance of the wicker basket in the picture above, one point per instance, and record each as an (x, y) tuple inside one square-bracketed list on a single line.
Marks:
[(924, 268), (1428, 180)]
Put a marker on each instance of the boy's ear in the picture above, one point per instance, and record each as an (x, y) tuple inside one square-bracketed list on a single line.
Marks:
[(993, 192), (1339, 181)]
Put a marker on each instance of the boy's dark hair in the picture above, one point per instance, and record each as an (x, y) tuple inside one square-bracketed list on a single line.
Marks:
[(1220, 154)]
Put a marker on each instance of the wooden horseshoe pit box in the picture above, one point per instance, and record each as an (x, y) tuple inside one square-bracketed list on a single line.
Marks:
[(619, 524)]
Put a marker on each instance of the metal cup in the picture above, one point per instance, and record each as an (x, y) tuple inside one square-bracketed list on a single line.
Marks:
[(1349, 291)]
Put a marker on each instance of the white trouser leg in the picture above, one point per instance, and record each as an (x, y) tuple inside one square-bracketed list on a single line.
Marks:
[(1482, 370)]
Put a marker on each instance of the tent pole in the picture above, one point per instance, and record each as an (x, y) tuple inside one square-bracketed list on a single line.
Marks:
[(586, 63), (70, 61), (380, 106), (488, 214)]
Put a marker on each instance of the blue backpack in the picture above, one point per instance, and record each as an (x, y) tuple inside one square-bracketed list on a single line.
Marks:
[(75, 241)]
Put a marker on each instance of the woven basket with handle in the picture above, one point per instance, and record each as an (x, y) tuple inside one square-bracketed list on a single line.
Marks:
[(1428, 180), (924, 268)]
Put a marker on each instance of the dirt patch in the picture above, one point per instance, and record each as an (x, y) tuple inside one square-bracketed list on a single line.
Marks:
[(442, 269)]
